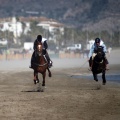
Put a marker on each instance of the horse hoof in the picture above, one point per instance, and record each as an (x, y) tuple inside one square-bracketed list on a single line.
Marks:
[(96, 80), (43, 84), (37, 81), (50, 75), (34, 81), (104, 83), (38, 91)]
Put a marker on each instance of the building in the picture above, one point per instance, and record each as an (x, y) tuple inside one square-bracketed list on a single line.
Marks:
[(52, 26), (12, 25), (23, 26)]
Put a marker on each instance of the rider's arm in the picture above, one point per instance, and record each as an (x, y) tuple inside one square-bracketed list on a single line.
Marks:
[(45, 45), (34, 46), (104, 48)]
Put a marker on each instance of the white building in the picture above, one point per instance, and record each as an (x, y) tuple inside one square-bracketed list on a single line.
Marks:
[(18, 28), (13, 26), (52, 27)]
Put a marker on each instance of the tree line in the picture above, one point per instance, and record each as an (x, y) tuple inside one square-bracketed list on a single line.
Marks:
[(70, 36)]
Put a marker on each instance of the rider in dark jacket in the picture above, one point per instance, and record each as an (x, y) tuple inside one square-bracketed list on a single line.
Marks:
[(45, 46)]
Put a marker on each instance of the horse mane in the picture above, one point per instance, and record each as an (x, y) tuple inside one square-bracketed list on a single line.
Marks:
[(100, 55), (39, 43), (100, 49)]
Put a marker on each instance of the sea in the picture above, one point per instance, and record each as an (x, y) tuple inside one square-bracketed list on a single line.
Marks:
[(110, 77)]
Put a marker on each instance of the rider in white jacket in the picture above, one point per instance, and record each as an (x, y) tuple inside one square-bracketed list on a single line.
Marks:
[(94, 47)]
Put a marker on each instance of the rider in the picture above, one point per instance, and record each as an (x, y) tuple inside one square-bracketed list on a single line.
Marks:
[(98, 42), (45, 46)]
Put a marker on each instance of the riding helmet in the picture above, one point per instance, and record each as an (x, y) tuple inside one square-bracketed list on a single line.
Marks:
[(39, 38), (97, 40)]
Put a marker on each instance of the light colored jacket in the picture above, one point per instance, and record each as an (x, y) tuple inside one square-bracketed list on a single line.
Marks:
[(44, 41), (94, 47)]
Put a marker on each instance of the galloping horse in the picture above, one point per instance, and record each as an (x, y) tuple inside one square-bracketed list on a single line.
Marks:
[(40, 65), (98, 65)]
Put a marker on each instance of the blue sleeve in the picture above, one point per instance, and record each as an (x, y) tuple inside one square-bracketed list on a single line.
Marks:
[(104, 48), (91, 51)]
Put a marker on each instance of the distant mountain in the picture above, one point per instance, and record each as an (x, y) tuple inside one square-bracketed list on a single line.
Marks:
[(95, 15)]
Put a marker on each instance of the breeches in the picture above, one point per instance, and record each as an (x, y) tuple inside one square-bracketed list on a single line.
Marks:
[(93, 55)]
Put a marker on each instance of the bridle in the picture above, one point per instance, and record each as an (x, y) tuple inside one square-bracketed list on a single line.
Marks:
[(40, 53), (39, 50), (99, 55)]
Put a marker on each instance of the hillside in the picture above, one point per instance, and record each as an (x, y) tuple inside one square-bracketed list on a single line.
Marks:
[(93, 15)]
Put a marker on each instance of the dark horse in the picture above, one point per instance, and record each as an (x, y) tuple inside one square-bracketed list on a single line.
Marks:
[(41, 65), (98, 65)]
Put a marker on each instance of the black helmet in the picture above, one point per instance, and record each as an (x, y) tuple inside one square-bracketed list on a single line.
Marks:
[(97, 40), (39, 38)]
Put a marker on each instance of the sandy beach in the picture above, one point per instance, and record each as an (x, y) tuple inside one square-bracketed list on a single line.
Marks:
[(64, 98)]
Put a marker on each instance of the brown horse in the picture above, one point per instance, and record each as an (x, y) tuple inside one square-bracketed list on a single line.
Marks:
[(41, 65)]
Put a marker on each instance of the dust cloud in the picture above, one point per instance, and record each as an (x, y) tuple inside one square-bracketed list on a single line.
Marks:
[(23, 64)]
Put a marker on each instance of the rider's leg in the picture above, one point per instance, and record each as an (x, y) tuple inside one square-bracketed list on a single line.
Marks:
[(48, 59), (32, 59), (106, 63), (91, 64), (90, 60)]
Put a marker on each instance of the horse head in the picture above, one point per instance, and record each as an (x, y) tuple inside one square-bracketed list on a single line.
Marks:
[(100, 52), (39, 49)]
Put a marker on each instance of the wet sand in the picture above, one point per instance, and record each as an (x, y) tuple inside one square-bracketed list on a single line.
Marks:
[(64, 98)]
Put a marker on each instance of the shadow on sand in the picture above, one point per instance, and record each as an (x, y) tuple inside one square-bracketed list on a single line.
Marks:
[(39, 88)]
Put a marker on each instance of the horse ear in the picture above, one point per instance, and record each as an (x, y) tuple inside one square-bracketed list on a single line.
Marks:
[(100, 48)]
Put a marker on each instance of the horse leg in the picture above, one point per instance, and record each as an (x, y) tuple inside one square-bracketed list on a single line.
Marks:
[(43, 75), (104, 78), (35, 77), (50, 75), (95, 77)]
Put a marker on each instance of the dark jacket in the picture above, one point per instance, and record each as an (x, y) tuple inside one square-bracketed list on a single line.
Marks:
[(45, 45)]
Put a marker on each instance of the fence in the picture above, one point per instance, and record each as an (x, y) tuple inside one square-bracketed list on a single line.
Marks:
[(15, 56), (28, 56)]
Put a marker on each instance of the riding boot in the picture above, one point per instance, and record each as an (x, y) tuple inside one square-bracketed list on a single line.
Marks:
[(48, 60), (90, 63), (91, 60), (32, 60)]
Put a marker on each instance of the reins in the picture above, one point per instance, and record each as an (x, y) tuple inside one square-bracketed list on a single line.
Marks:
[(99, 62), (40, 65), (83, 64)]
